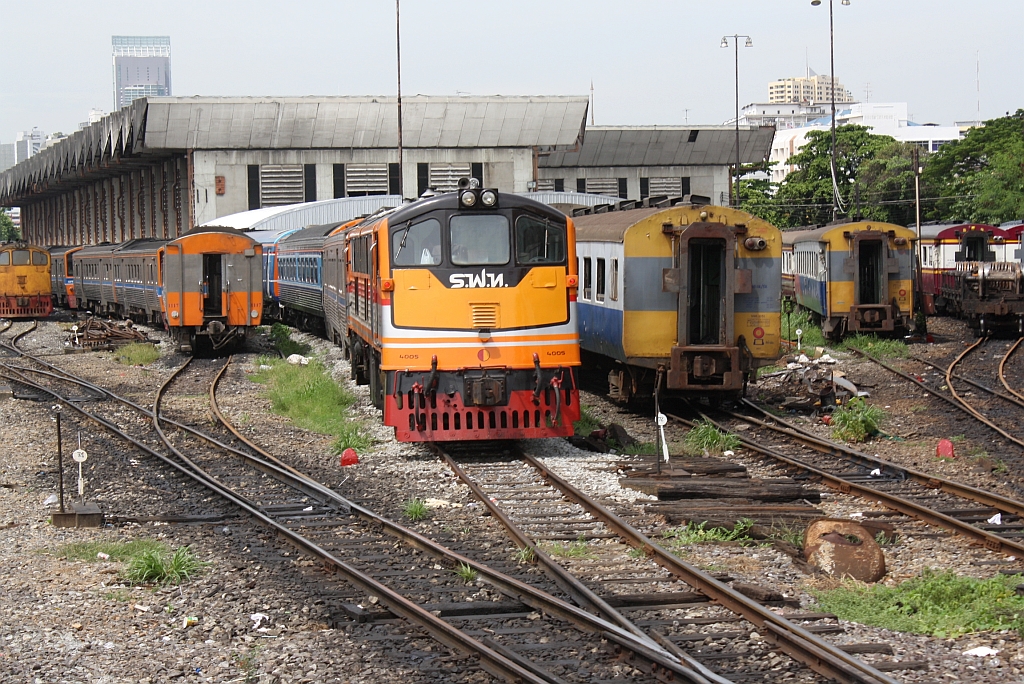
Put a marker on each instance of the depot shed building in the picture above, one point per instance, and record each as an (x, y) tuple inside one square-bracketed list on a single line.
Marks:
[(161, 166)]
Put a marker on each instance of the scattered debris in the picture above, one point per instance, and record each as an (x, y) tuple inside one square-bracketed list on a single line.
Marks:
[(96, 334)]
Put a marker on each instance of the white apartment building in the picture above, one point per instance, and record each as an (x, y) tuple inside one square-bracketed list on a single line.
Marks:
[(810, 88), (883, 118)]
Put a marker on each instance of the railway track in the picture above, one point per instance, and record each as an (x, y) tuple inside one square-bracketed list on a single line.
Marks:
[(404, 573), (937, 501), (616, 570)]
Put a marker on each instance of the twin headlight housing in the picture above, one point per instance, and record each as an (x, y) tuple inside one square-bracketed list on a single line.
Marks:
[(472, 196)]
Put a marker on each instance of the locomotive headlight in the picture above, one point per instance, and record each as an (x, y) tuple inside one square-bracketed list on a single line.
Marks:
[(755, 244), (467, 198), (488, 198)]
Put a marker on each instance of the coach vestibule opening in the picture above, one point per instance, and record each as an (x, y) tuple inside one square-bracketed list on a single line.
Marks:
[(871, 275), (213, 279), (975, 248), (707, 270)]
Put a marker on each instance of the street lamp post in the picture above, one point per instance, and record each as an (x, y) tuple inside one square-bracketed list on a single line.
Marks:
[(736, 43), (832, 88)]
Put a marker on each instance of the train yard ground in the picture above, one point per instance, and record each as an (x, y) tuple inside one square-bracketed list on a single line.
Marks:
[(263, 612)]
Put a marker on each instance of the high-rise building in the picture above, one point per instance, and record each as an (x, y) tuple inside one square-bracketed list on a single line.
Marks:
[(28, 143), (142, 68), (810, 88), (6, 156)]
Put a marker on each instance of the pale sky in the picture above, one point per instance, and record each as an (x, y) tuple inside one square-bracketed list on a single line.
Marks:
[(651, 61)]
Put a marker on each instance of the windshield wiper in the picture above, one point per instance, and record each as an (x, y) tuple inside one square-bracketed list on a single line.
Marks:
[(405, 236)]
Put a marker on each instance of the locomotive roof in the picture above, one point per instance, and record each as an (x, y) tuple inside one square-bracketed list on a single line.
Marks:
[(450, 201), (19, 245)]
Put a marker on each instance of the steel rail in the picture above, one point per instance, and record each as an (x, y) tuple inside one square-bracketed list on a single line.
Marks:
[(531, 596), (896, 503), (1016, 400), (1002, 364), (970, 409), (949, 400), (997, 501), (492, 662), (797, 642), (537, 599)]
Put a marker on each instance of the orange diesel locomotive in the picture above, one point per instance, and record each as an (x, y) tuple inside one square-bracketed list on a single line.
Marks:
[(460, 312), (25, 290), (203, 285)]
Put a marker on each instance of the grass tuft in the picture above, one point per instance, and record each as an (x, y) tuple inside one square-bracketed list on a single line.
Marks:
[(525, 555), (281, 336), (701, 534), (466, 573), (154, 566), (878, 347), (587, 423), (705, 437), (137, 354), (856, 421), (415, 509), (313, 400), (576, 549), (939, 604)]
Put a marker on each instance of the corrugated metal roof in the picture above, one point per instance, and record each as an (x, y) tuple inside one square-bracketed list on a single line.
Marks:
[(293, 216), (165, 125), (664, 146), (576, 199)]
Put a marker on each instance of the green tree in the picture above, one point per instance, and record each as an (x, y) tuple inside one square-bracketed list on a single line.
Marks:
[(981, 177), (8, 233), (758, 195), (884, 189), (805, 196)]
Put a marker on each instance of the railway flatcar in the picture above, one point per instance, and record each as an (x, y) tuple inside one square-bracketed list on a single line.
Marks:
[(683, 300), (856, 277), (62, 275), (25, 288), (460, 315), (203, 286), (946, 249)]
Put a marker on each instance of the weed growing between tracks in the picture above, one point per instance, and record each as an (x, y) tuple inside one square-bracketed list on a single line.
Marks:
[(699, 533), (576, 549), (137, 354), (878, 347), (704, 439), (148, 561), (856, 421), (415, 509), (313, 400), (587, 423), (281, 336), (938, 604)]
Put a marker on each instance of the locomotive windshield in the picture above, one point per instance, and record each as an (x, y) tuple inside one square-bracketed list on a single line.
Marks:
[(21, 257), (539, 241), (417, 244), (479, 239)]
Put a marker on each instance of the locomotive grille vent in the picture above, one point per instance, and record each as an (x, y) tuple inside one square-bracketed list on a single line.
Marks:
[(485, 315)]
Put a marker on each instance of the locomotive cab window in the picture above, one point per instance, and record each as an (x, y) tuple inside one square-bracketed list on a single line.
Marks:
[(5, 258), (418, 244), (21, 257), (539, 241), (479, 239), (39, 259)]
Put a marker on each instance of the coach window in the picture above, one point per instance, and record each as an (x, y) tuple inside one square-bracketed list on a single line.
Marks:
[(600, 280), (587, 279), (418, 244), (614, 294), (479, 239), (539, 241), (21, 257)]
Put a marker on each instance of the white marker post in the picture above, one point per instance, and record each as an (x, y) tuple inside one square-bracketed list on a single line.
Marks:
[(799, 334), (80, 457), (662, 422)]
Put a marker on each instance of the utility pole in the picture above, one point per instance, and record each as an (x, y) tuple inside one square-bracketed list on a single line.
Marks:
[(398, 49)]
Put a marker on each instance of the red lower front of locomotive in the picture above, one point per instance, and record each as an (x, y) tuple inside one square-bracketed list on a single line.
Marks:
[(476, 405), (25, 306)]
